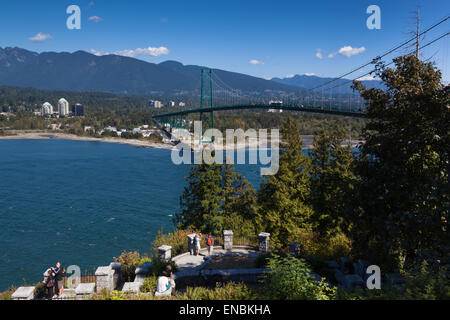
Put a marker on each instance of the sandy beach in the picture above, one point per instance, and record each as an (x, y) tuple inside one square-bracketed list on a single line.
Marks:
[(65, 136), (34, 135)]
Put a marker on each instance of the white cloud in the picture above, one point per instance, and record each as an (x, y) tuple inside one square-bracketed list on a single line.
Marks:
[(150, 51), (319, 54), (40, 37), (95, 19), (99, 53), (310, 74), (255, 62), (289, 76), (332, 55), (348, 51)]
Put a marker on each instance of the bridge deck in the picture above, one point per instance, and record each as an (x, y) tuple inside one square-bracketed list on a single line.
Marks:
[(263, 106)]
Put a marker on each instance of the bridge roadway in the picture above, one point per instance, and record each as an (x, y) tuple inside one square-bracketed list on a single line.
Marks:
[(355, 114)]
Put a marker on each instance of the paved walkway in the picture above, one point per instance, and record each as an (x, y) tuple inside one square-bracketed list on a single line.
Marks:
[(191, 264)]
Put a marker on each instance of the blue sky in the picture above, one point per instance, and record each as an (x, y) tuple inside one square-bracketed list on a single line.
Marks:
[(261, 38)]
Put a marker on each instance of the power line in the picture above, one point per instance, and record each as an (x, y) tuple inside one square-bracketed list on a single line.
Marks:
[(372, 71), (385, 54)]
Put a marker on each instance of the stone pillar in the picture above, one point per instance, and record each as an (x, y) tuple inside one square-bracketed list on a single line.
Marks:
[(227, 239), (295, 249), (263, 239), (23, 293), (165, 252), (104, 277), (190, 239), (117, 268)]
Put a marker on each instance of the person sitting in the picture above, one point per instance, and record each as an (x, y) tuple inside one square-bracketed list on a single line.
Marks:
[(170, 276), (164, 287)]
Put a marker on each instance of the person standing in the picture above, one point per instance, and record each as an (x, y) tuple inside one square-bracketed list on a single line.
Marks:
[(49, 283), (59, 282), (197, 244), (210, 243)]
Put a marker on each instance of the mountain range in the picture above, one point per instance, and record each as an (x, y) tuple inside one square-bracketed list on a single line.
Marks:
[(311, 81), (83, 71)]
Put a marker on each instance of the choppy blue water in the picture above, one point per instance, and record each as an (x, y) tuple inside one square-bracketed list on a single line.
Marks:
[(83, 203)]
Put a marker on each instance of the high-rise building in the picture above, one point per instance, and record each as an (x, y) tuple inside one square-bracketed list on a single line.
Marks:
[(63, 107), (78, 110), (47, 109), (155, 104)]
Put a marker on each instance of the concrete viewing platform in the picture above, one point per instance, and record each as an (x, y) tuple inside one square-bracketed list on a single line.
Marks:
[(190, 265)]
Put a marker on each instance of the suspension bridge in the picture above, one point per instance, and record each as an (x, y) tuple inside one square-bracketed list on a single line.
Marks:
[(327, 98)]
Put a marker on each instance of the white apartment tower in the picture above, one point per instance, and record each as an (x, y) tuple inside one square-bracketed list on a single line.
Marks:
[(47, 109), (63, 107)]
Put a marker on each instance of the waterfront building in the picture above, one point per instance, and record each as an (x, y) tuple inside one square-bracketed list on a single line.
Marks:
[(63, 107), (78, 110), (47, 109), (171, 104), (182, 104)]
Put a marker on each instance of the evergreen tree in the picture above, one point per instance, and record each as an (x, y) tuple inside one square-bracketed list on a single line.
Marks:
[(216, 198), (282, 199), (201, 199), (332, 181), (404, 196)]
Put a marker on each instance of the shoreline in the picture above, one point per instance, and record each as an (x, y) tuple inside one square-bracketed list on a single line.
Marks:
[(73, 137), (133, 142)]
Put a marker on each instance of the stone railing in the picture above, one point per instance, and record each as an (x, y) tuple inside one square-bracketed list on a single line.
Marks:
[(109, 277)]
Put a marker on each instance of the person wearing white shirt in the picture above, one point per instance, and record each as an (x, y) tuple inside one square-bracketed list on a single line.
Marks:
[(164, 287)]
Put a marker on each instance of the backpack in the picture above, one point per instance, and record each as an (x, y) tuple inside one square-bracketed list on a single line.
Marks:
[(50, 283), (209, 241)]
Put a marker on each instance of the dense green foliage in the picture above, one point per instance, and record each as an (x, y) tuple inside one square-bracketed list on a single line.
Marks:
[(215, 199), (389, 204), (332, 181), (308, 123), (282, 199), (130, 261), (402, 212), (291, 279)]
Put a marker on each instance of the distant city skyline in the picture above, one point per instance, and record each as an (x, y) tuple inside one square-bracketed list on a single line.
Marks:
[(261, 38)]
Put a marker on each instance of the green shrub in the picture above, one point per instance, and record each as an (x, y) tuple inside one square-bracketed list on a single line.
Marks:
[(177, 240), (318, 265), (228, 291), (159, 265), (6, 295), (150, 284), (291, 279), (263, 259), (130, 260), (427, 283), (330, 248), (385, 293), (40, 291), (421, 283)]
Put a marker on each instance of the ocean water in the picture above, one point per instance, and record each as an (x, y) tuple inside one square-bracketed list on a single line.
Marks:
[(82, 203)]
